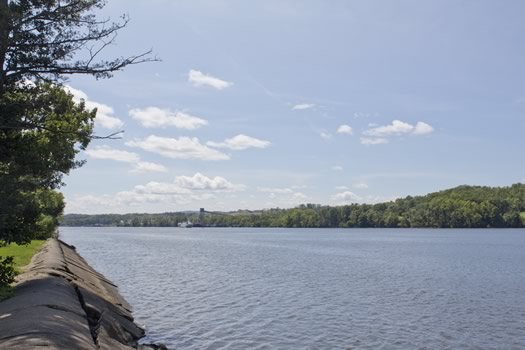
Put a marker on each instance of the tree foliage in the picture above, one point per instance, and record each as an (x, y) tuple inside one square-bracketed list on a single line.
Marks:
[(461, 207), (42, 129), (7, 270), (50, 39), (43, 132)]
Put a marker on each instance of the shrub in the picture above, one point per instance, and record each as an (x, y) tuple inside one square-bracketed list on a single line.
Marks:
[(7, 271)]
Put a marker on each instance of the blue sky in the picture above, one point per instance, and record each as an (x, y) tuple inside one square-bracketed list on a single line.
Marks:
[(274, 103)]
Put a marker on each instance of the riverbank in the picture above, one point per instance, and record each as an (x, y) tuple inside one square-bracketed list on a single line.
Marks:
[(60, 302)]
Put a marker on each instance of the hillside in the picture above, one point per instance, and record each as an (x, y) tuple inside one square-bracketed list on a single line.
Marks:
[(460, 207)]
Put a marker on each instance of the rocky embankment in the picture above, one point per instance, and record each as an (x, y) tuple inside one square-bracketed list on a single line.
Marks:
[(61, 302)]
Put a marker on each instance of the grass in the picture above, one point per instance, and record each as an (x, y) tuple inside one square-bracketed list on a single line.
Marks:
[(22, 256), (22, 253)]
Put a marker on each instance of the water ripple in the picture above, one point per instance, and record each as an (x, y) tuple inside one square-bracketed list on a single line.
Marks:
[(317, 289)]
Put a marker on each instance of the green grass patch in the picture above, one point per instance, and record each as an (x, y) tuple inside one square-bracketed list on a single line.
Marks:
[(21, 253), (22, 256)]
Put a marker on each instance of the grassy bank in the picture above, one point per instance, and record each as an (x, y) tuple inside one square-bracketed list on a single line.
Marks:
[(22, 256)]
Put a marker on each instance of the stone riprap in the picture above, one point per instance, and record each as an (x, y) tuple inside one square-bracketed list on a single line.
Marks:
[(60, 302)]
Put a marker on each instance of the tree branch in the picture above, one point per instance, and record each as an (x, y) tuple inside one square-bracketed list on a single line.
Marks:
[(117, 135)]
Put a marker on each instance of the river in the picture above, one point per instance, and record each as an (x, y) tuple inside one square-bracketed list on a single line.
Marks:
[(211, 288)]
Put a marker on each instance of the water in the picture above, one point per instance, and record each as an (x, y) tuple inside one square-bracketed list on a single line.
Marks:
[(317, 289)]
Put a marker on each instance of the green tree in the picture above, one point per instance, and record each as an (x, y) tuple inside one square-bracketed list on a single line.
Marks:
[(461, 207), (34, 159), (42, 42)]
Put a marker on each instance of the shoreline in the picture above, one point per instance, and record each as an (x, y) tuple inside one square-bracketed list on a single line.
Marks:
[(61, 302)]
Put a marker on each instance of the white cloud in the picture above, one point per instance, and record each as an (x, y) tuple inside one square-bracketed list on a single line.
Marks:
[(106, 152), (422, 129), (283, 196), (359, 185), (189, 184), (126, 201), (377, 135), (325, 135), (88, 204), (346, 197), (184, 190), (197, 78), (154, 117), (181, 148), (202, 182), (299, 196), (398, 127), (240, 142), (373, 141), (275, 190), (160, 188), (105, 114), (147, 167), (303, 106), (337, 168), (345, 129)]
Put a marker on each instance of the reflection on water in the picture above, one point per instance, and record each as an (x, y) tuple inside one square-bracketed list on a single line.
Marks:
[(317, 289)]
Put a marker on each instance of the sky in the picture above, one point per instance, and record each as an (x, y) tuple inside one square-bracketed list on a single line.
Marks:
[(274, 103)]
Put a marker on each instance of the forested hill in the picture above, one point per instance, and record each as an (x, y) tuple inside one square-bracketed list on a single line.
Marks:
[(460, 207)]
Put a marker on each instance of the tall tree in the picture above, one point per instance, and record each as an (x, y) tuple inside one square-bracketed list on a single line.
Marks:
[(49, 129), (42, 42)]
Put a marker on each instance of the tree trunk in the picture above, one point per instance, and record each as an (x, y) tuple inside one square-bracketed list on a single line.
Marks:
[(4, 40)]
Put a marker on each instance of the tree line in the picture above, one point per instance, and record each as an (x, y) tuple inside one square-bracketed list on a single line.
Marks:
[(460, 207)]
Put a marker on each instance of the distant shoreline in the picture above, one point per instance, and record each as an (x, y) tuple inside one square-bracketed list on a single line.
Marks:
[(319, 228), (460, 207)]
